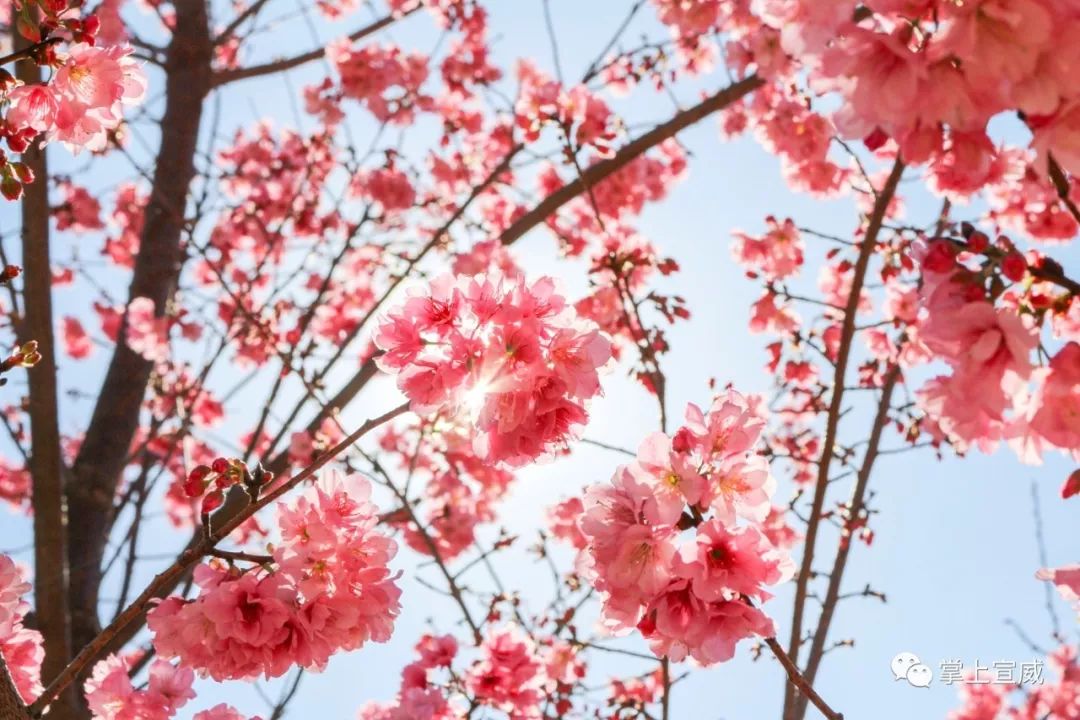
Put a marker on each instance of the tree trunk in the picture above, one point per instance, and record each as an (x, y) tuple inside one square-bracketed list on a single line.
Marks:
[(100, 462), (47, 469)]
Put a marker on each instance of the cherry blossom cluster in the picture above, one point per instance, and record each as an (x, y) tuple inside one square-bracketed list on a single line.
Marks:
[(111, 695), (20, 646), (688, 596), (222, 711), (623, 269), (775, 255), (508, 358), (325, 588), (981, 309), (383, 78), (584, 117), (630, 697), (983, 700), (14, 485), (83, 101), (387, 186), (420, 695), (786, 126), (928, 75), (619, 198), (512, 675)]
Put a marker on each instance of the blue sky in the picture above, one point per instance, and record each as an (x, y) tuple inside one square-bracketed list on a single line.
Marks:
[(955, 547)]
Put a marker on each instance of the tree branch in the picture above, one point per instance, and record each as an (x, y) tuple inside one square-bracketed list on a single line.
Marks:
[(604, 169), (171, 575), (855, 506), (866, 250), (27, 50), (46, 462), (103, 454), (224, 77), (799, 682)]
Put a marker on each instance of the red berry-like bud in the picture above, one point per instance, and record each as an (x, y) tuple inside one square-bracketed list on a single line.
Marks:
[(682, 441), (212, 502), (1071, 486), (875, 139), (193, 488), (220, 465), (978, 242), (940, 258), (195, 485), (18, 143), (11, 188), (974, 293), (1014, 267)]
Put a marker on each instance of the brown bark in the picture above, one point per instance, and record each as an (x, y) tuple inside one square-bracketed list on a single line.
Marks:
[(847, 332), (47, 469), (855, 507), (11, 705), (101, 458)]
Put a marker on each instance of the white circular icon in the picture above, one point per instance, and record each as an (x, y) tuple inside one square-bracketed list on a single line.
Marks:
[(908, 666), (919, 675)]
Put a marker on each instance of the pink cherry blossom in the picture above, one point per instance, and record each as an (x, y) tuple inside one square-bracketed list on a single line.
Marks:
[(20, 647), (688, 600), (776, 255), (1067, 580), (383, 78), (222, 712), (111, 694), (387, 186), (725, 564), (1057, 400), (33, 107), (77, 343), (92, 87), (508, 357), (510, 675), (330, 589), (563, 522)]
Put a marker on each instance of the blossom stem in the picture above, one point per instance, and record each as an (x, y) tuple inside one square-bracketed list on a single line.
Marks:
[(28, 51), (233, 555)]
